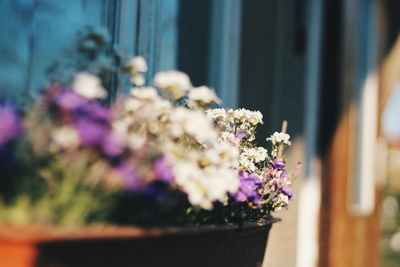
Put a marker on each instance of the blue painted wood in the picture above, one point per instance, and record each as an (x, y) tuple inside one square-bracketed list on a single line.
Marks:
[(312, 82), (168, 45), (147, 34), (36, 33), (225, 49), (128, 25), (157, 34), (15, 46)]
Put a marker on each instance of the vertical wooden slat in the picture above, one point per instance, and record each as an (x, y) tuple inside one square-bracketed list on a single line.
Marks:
[(156, 38), (127, 28), (147, 33), (224, 50), (168, 44)]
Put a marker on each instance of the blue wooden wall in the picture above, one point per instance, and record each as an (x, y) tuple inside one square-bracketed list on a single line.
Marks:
[(33, 34), (36, 33)]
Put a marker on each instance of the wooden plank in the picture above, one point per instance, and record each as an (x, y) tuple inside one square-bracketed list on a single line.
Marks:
[(146, 35), (168, 44), (347, 239), (224, 53), (33, 37)]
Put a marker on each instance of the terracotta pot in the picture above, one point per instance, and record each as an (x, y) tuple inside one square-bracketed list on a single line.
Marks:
[(127, 246)]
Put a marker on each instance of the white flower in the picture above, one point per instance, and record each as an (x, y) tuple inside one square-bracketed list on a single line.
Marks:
[(203, 187), (255, 117), (261, 154), (227, 151), (230, 178), (247, 164), (211, 156), (255, 154), (138, 79), (279, 138), (132, 104), (144, 93), (136, 141), (217, 113), (243, 115), (284, 199), (138, 63), (161, 105), (219, 182), (189, 176), (172, 78), (88, 85), (65, 137), (174, 84), (227, 137), (122, 124), (195, 123), (204, 94)]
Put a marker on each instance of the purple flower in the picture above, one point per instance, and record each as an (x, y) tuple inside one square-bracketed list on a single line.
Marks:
[(284, 175), (163, 170), (128, 176), (249, 183), (91, 132), (10, 124), (287, 191), (240, 134), (113, 144), (78, 106), (68, 100), (95, 111), (279, 165)]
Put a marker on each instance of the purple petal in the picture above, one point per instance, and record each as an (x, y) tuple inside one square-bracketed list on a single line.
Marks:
[(10, 124), (249, 183), (90, 132), (95, 111), (279, 165), (128, 176), (240, 134), (68, 100), (113, 144), (287, 191), (163, 170)]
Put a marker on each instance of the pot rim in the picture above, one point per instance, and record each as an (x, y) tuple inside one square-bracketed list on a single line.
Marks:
[(49, 233)]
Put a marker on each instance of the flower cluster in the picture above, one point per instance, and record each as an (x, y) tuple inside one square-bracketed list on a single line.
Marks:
[(84, 161), (264, 182), (184, 139)]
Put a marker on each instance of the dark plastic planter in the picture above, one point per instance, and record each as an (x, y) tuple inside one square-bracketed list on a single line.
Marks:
[(190, 247)]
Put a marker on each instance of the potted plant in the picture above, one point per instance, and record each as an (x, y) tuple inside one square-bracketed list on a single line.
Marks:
[(158, 177)]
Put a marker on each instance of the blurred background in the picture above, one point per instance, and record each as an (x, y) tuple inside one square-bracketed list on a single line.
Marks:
[(331, 68)]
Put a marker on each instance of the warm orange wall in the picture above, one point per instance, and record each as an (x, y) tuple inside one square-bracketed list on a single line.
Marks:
[(346, 240)]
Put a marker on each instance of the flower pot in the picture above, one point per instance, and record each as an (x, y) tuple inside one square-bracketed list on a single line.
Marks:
[(224, 245)]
